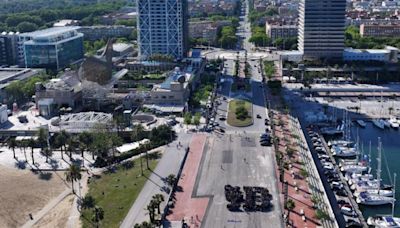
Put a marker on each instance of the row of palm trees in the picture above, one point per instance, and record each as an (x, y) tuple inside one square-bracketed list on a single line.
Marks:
[(98, 144), (40, 141)]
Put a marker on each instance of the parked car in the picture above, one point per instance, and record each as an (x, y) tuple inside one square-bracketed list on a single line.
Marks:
[(348, 210), (341, 193)]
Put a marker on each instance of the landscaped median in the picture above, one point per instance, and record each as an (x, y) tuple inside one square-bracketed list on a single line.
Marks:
[(240, 113)]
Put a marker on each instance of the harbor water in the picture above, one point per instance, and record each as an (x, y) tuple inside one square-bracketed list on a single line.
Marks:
[(390, 160)]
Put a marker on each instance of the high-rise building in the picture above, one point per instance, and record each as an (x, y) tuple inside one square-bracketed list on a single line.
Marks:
[(8, 48), (162, 28), (53, 48), (321, 28)]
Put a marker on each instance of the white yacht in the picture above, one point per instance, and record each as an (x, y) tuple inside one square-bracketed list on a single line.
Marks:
[(340, 143), (381, 192), (354, 168), (394, 123), (366, 198), (379, 123), (361, 123), (343, 152), (384, 222), (354, 178)]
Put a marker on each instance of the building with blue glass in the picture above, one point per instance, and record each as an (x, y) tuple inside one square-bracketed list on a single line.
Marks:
[(53, 48), (162, 28)]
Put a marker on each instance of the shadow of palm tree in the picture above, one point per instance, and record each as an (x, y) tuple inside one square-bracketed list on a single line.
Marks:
[(54, 164), (45, 175), (20, 164)]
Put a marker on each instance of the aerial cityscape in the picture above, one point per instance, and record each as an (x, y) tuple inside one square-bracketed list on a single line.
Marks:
[(199, 113)]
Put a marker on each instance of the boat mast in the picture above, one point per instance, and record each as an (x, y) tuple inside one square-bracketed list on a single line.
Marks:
[(369, 157), (379, 160), (394, 193)]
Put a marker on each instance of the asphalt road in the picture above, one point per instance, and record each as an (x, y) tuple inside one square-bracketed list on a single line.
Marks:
[(238, 160)]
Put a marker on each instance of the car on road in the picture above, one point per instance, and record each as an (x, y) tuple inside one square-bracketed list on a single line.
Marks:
[(222, 118), (258, 116)]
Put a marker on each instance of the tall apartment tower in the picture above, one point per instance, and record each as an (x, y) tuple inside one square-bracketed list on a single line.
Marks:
[(162, 27), (321, 28)]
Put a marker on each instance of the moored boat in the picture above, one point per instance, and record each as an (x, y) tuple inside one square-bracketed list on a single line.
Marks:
[(361, 123), (384, 222)]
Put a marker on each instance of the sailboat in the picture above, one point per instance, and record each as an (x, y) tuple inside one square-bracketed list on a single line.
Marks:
[(385, 221), (369, 192), (361, 123), (379, 123)]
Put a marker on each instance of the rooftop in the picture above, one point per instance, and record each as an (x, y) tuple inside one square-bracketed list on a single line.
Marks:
[(51, 31), (7, 75)]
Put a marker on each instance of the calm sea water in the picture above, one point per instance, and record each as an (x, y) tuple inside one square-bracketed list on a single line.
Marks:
[(391, 150)]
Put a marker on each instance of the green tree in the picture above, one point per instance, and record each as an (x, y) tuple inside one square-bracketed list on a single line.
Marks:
[(32, 144), (98, 215), (158, 199), (290, 205), (196, 119), (187, 118), (61, 140), (12, 144), (47, 152), (171, 180), (73, 174), (26, 27), (88, 202)]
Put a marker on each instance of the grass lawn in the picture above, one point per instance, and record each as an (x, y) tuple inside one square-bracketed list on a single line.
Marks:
[(233, 120), (120, 191)]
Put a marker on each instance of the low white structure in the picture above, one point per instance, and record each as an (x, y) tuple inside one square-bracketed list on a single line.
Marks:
[(3, 114), (131, 146), (388, 54), (291, 56)]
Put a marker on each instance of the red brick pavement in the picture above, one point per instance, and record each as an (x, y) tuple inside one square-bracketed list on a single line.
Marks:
[(298, 189), (186, 207)]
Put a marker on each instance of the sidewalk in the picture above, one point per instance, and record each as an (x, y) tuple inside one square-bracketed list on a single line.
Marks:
[(169, 164)]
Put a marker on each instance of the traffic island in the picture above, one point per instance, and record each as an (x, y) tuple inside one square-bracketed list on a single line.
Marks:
[(240, 113)]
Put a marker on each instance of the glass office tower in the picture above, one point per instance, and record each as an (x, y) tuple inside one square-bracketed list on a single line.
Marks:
[(53, 48), (162, 28)]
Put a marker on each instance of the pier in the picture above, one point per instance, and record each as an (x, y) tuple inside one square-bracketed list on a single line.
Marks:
[(360, 217)]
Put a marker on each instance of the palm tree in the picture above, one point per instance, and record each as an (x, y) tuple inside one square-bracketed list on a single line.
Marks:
[(98, 215), (31, 144), (73, 174), (158, 198), (12, 144), (71, 146), (171, 179), (290, 205), (47, 152), (85, 139), (146, 149), (151, 209), (42, 138), (61, 140), (23, 144)]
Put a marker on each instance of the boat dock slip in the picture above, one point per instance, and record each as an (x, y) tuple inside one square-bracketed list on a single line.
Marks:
[(353, 203)]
